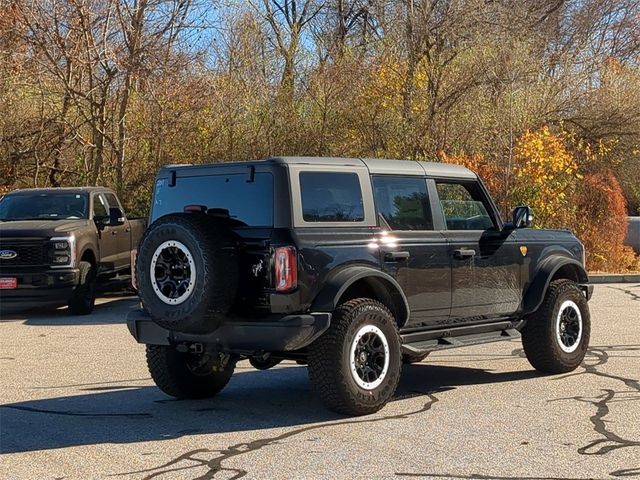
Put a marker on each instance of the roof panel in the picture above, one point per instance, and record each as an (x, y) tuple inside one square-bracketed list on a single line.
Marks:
[(437, 169), (353, 162), (397, 167)]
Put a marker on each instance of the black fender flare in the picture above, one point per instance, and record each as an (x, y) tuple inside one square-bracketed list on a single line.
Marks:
[(338, 283), (547, 270)]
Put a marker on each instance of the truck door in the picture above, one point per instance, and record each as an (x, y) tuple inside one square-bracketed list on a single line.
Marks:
[(485, 274), (412, 251), (106, 242), (122, 233)]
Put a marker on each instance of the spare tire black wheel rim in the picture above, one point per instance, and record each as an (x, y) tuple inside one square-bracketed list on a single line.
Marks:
[(569, 326), (173, 272), (369, 357)]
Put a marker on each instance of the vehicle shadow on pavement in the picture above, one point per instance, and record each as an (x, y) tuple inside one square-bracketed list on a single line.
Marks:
[(126, 413), (110, 312)]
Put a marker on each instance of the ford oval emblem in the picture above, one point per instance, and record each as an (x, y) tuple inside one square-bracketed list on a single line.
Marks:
[(7, 254)]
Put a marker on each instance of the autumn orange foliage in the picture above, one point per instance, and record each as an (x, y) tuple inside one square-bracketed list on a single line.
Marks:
[(602, 224), (545, 174)]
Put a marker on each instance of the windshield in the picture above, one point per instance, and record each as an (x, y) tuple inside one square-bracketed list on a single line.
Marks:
[(44, 206)]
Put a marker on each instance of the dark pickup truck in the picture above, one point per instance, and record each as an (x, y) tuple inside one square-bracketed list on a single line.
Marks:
[(351, 266), (55, 244)]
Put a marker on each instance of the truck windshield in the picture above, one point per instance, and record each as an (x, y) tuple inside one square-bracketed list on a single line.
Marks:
[(44, 206)]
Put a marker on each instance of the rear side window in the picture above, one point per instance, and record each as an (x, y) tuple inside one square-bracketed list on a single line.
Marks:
[(403, 202), (251, 203), (331, 197), (464, 206)]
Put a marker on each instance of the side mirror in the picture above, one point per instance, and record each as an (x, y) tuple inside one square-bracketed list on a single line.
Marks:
[(116, 217), (522, 217)]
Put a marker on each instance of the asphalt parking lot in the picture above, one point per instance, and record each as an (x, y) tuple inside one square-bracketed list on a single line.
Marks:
[(76, 401)]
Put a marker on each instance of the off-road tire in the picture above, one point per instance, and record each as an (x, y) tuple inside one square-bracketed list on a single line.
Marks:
[(212, 247), (408, 359), (539, 339), (330, 355), (83, 298), (170, 372)]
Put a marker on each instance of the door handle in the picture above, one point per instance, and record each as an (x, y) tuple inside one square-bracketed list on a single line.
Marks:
[(396, 255), (463, 253), (114, 232)]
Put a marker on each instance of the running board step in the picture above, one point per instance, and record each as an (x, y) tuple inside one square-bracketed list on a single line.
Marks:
[(424, 345)]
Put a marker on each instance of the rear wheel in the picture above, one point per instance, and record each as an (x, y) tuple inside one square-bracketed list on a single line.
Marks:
[(556, 337), (355, 365), (83, 298), (188, 375)]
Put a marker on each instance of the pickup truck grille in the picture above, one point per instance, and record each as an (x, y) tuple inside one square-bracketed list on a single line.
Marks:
[(30, 253)]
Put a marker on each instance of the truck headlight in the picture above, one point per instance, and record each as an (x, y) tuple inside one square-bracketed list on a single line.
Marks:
[(63, 252)]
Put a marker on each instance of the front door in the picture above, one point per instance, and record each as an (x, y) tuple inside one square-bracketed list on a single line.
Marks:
[(107, 237), (485, 261), (412, 251), (122, 234)]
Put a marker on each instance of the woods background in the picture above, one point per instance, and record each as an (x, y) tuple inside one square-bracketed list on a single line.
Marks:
[(541, 97)]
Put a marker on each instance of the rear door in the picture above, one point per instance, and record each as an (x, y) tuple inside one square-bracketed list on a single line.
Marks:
[(485, 261), (413, 251)]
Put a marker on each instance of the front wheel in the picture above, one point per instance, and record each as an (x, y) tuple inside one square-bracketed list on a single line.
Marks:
[(83, 297), (355, 365), (556, 337)]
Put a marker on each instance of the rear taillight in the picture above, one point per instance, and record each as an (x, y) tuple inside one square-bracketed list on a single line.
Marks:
[(286, 268)]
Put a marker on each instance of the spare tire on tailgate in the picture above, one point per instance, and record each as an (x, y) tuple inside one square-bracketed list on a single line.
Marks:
[(187, 272)]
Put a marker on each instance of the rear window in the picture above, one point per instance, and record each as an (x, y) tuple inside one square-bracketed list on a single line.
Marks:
[(248, 202), (331, 197)]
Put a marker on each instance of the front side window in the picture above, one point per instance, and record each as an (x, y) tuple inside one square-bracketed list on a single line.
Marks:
[(331, 197), (464, 207), (112, 201), (100, 206), (403, 202)]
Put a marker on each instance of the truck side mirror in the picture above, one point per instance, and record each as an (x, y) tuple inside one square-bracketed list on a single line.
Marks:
[(116, 217), (522, 217)]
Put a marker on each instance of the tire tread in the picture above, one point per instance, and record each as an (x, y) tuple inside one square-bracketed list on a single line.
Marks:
[(538, 335), (325, 370)]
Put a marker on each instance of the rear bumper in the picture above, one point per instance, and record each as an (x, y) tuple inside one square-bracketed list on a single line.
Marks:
[(45, 287), (274, 334)]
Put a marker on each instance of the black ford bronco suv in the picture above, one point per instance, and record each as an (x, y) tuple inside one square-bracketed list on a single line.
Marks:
[(352, 266)]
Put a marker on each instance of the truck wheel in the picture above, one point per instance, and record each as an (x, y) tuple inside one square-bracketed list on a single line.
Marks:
[(187, 375), (83, 298), (355, 365), (409, 359), (556, 337), (187, 272)]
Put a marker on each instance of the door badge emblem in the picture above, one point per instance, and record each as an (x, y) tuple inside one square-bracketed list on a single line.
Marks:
[(523, 250)]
